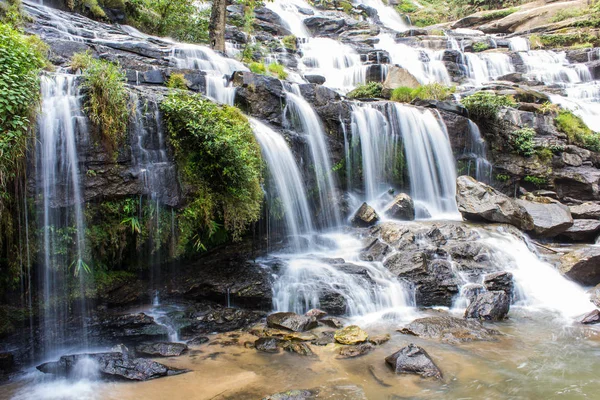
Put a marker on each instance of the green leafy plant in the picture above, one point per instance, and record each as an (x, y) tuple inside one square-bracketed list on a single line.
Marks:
[(278, 70), (134, 222), (523, 143), (403, 94), (577, 131), (484, 106), (480, 46), (545, 154), (366, 91), (177, 81), (502, 177), (258, 68), (549, 108), (430, 91), (535, 180)]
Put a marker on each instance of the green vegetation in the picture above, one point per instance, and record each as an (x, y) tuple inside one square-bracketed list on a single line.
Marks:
[(580, 39), (278, 70), (290, 42), (431, 91), (523, 143), (275, 69), (480, 46), (499, 14), (11, 13), (106, 98), (567, 13), (220, 164), (484, 106), (502, 177), (367, 91), (545, 154), (258, 68), (549, 108), (577, 131), (536, 181), (177, 81)]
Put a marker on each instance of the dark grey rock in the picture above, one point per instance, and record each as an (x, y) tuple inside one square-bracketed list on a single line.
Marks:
[(489, 306), (402, 208), (291, 321), (450, 329), (316, 79), (582, 265), (161, 349), (268, 344), (356, 350), (500, 281), (413, 359)]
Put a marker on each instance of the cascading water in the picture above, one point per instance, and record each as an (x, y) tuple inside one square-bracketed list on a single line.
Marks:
[(485, 67), (218, 69), (287, 184), (386, 14), (61, 121), (478, 153), (300, 116)]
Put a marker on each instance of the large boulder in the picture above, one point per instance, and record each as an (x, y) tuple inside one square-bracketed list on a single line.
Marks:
[(587, 210), (351, 335), (583, 230), (412, 359), (397, 77), (500, 281), (161, 349), (402, 208), (549, 219), (582, 265), (259, 95), (365, 216), (489, 306), (450, 329), (113, 365), (480, 202), (291, 321)]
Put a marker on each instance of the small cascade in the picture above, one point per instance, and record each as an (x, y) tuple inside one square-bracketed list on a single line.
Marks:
[(518, 43), (300, 116), (61, 121), (478, 151), (289, 11), (386, 14), (286, 188), (429, 160), (553, 68), (485, 67), (218, 69)]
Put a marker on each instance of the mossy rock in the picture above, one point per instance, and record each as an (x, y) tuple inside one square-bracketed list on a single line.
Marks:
[(351, 335)]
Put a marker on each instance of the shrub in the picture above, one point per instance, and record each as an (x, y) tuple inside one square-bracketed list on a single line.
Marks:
[(577, 131), (549, 108), (433, 91), (545, 154), (406, 7), (258, 68), (567, 13), (220, 163), (106, 98), (278, 70), (502, 178), (480, 46), (498, 14), (523, 141), (366, 91), (290, 42), (403, 94), (11, 13), (484, 106), (177, 81), (535, 180)]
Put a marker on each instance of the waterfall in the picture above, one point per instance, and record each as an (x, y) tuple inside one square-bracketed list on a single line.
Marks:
[(60, 121), (518, 43), (299, 115), (286, 181), (429, 159), (553, 68), (387, 15), (485, 67), (218, 69), (288, 10), (478, 150)]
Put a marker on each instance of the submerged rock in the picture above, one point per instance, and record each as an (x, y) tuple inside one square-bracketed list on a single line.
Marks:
[(582, 265), (480, 202), (296, 394), (300, 348), (379, 339), (412, 359), (356, 350), (449, 329), (110, 366), (197, 341), (291, 321), (402, 208), (161, 349), (325, 339), (365, 216), (351, 335), (591, 318), (489, 306), (268, 344)]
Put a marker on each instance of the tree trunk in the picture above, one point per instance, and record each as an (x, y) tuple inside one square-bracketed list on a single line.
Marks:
[(216, 29)]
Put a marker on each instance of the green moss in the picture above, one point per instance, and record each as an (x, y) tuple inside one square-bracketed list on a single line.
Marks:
[(366, 91), (106, 98), (220, 163), (577, 131), (177, 81), (522, 141), (566, 40), (545, 154), (278, 70), (480, 46), (290, 42), (403, 94), (499, 14), (567, 13), (484, 106), (431, 91), (502, 177)]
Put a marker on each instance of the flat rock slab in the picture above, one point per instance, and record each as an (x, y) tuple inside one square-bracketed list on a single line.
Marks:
[(161, 349), (351, 335), (550, 219), (583, 230), (450, 330), (413, 359), (291, 321), (113, 365)]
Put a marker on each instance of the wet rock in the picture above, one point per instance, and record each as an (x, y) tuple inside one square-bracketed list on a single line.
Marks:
[(582, 265), (110, 366), (500, 281), (299, 348), (587, 210), (7, 362), (595, 295), (365, 216), (375, 250), (549, 219), (129, 328), (197, 341), (489, 306), (291, 321), (331, 322), (397, 77), (449, 329), (268, 344), (350, 335), (203, 319), (379, 339), (323, 26), (413, 359), (583, 230), (315, 313), (316, 79), (356, 350), (591, 318), (324, 339), (296, 394), (480, 202), (259, 95), (161, 349), (402, 208)]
